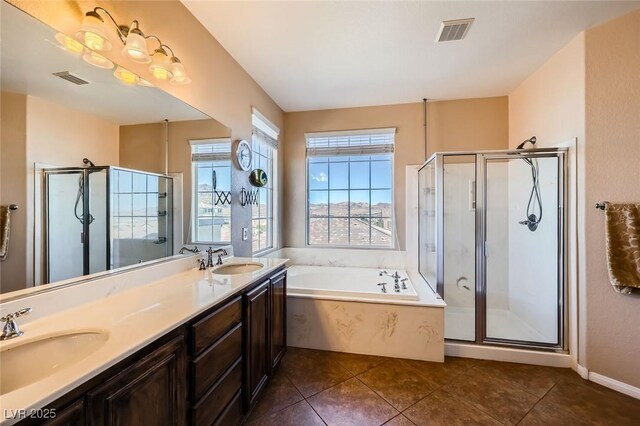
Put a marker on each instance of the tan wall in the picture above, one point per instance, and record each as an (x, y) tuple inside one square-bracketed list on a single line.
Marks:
[(549, 104), (470, 124), (221, 88), (142, 148), (613, 174), (13, 186)]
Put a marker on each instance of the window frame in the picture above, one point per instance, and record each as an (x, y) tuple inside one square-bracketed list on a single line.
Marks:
[(264, 128), (308, 218), (193, 234), (272, 242)]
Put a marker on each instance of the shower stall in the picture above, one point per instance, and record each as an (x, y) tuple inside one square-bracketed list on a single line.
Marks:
[(492, 245), (102, 217)]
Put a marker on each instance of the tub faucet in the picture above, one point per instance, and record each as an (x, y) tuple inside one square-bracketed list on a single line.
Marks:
[(11, 329), (395, 275), (404, 283)]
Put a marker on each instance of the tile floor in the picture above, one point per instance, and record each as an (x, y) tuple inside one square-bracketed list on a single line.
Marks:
[(318, 388)]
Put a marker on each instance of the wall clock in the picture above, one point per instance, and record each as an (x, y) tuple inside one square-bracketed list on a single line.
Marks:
[(244, 155)]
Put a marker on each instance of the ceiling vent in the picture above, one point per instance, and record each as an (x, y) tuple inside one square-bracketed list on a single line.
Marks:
[(454, 30), (66, 75)]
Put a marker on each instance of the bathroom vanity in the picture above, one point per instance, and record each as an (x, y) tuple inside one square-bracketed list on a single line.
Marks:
[(209, 369)]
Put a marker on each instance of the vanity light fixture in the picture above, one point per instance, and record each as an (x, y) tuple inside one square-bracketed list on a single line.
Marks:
[(93, 31), (160, 64), (97, 60), (69, 43), (126, 76), (180, 76), (94, 34)]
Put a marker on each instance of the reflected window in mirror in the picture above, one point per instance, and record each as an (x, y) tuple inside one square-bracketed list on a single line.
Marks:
[(265, 155), (211, 191)]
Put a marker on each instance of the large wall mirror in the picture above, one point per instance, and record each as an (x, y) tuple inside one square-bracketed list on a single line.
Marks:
[(101, 172)]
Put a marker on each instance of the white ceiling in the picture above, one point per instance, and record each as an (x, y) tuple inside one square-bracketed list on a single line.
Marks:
[(30, 54), (318, 55)]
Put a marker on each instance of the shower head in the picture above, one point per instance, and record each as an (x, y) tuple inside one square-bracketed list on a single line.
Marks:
[(88, 162), (531, 140)]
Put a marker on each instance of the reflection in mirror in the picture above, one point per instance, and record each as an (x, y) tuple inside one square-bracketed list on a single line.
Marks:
[(130, 202), (211, 160)]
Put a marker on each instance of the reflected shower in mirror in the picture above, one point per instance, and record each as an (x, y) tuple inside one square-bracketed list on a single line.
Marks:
[(130, 202)]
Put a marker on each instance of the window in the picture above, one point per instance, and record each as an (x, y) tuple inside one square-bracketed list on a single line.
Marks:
[(211, 197), (265, 155), (350, 188)]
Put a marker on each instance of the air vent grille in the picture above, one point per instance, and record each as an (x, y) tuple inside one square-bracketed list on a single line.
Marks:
[(66, 75), (454, 30)]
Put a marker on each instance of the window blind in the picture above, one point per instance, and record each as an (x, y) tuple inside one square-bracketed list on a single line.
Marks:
[(206, 150), (354, 142), (264, 138)]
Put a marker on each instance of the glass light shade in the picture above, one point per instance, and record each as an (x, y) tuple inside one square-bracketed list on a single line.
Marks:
[(69, 43), (144, 83), (97, 60), (160, 65), (135, 48), (180, 76), (93, 33), (126, 76)]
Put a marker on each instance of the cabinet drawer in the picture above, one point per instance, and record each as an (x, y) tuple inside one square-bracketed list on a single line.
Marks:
[(217, 398), (232, 415), (209, 366), (211, 328)]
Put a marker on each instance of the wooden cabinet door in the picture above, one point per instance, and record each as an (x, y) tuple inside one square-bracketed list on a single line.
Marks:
[(258, 353), (278, 317), (152, 391)]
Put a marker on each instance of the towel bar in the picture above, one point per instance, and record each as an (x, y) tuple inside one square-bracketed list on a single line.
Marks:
[(601, 205), (13, 207)]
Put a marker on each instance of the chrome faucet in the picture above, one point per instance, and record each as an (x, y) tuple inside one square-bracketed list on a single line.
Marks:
[(404, 283), (395, 275), (384, 288), (221, 252), (11, 329), (202, 266), (194, 250)]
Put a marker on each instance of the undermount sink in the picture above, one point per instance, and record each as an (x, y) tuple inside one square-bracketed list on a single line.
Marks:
[(237, 268), (32, 361)]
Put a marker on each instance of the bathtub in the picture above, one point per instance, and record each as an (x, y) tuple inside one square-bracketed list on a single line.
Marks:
[(343, 309), (348, 283)]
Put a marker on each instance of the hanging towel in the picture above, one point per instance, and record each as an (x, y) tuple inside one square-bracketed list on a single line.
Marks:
[(5, 228), (623, 246)]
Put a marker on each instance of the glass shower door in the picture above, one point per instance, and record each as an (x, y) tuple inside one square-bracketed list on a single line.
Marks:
[(65, 235), (523, 229), (459, 245)]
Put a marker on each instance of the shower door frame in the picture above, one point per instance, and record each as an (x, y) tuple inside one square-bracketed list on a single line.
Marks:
[(86, 204), (480, 287), (561, 345)]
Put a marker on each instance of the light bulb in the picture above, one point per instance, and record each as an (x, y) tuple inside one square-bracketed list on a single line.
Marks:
[(92, 32), (135, 47), (160, 65), (97, 60), (93, 41), (125, 75), (69, 43), (180, 76)]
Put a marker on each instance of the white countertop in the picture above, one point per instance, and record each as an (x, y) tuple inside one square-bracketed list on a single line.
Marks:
[(133, 319)]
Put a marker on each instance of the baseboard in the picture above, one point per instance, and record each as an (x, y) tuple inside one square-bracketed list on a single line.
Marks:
[(582, 371), (616, 385)]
